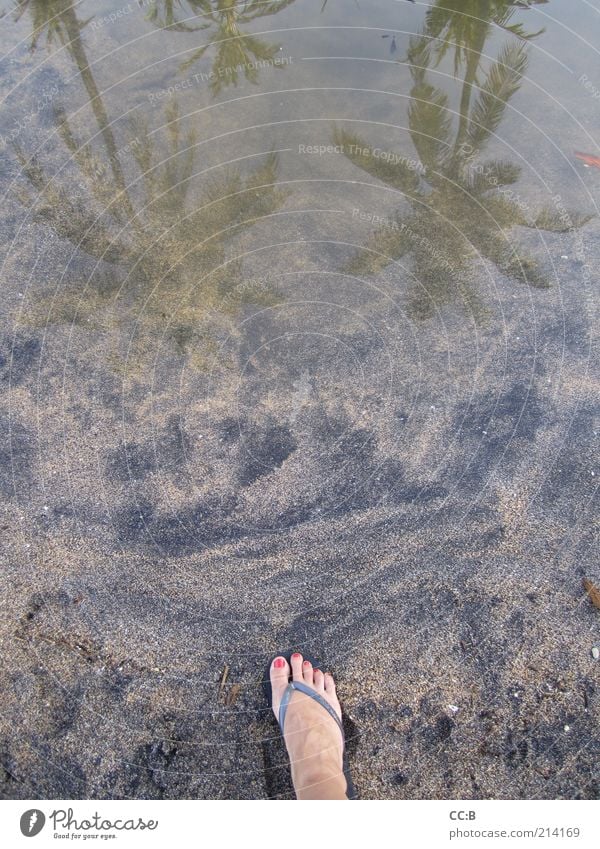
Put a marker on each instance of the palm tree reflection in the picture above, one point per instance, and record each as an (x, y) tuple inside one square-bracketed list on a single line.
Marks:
[(170, 256), (236, 52), (459, 205), (58, 20)]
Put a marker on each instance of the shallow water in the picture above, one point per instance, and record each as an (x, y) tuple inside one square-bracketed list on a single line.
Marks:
[(299, 309)]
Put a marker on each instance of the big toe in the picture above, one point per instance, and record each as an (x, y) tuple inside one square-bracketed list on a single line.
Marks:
[(280, 675)]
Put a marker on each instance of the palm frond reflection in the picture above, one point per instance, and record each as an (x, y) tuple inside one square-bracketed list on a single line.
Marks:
[(236, 54), (456, 192), (170, 257)]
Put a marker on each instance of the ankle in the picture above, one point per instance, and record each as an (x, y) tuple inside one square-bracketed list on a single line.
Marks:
[(317, 769), (318, 782)]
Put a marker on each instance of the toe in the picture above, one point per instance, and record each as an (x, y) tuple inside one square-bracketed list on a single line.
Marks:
[(297, 666), (319, 681), (307, 672), (279, 674), (329, 683)]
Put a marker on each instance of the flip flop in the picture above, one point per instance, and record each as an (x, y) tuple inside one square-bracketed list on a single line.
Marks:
[(309, 691)]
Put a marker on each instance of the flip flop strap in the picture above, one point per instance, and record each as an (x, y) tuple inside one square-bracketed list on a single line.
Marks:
[(304, 688)]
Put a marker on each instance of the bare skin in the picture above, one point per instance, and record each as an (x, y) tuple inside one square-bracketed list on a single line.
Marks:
[(313, 739)]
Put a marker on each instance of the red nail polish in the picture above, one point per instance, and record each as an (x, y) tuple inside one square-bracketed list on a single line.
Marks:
[(307, 663), (279, 663), (296, 655)]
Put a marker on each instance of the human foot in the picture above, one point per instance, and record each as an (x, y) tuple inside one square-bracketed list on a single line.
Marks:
[(313, 738)]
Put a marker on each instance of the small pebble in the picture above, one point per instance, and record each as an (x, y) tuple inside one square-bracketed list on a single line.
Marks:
[(567, 727), (596, 653)]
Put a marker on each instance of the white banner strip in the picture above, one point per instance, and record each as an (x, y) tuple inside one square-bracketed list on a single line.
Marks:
[(363, 824)]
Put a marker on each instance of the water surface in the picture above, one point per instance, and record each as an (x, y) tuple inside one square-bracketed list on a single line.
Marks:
[(298, 351)]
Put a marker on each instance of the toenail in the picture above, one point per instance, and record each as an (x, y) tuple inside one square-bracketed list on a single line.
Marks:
[(296, 655), (307, 663), (279, 663)]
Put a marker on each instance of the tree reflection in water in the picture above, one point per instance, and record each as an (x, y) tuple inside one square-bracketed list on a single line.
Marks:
[(458, 204)]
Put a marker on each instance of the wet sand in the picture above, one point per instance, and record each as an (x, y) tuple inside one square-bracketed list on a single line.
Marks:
[(199, 472)]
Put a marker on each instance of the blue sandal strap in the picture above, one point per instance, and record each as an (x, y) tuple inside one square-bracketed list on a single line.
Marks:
[(304, 688)]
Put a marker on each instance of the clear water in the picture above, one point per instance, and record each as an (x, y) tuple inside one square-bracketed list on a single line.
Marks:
[(299, 297)]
